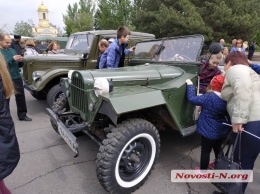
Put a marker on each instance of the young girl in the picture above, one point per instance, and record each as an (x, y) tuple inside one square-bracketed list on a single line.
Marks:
[(9, 149), (209, 123)]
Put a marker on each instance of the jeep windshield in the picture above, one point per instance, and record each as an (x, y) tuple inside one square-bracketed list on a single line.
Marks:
[(184, 49), (80, 42)]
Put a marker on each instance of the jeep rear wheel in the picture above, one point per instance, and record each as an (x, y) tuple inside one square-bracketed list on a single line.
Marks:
[(53, 95), (127, 156)]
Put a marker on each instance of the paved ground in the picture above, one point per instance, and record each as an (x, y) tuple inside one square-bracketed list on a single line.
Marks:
[(47, 165)]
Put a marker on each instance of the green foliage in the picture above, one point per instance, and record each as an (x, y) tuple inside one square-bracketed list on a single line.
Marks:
[(79, 17), (113, 14), (215, 19), (24, 28)]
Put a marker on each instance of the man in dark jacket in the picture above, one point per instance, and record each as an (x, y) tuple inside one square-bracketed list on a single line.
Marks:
[(251, 50), (12, 60), (17, 47)]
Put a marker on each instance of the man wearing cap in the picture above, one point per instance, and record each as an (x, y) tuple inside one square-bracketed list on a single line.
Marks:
[(17, 47), (12, 60)]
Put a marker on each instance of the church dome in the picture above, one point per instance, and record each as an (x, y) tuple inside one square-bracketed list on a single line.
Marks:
[(42, 7)]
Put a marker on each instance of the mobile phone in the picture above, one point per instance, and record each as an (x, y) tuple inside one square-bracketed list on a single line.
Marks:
[(22, 54)]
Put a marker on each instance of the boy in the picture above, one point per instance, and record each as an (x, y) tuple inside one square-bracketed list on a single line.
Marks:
[(116, 50)]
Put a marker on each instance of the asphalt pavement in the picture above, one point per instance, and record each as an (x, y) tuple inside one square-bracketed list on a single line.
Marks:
[(47, 165)]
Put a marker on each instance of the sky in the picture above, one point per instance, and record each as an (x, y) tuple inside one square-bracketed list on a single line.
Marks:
[(13, 11)]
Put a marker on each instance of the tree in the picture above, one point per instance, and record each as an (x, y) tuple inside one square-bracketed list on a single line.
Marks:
[(23, 28), (215, 19), (79, 17), (182, 18), (114, 13)]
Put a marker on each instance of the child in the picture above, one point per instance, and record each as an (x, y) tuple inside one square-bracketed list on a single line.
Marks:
[(209, 123), (116, 50), (209, 70)]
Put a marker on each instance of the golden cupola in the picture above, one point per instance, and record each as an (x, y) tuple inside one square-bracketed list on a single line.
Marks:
[(43, 16)]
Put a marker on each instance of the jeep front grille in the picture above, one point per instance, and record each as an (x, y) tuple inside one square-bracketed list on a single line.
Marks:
[(78, 95)]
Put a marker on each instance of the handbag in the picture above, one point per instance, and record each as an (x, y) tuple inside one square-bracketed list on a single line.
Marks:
[(226, 162)]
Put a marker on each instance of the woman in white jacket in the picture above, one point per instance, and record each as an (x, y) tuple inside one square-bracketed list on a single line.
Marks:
[(30, 48), (241, 90)]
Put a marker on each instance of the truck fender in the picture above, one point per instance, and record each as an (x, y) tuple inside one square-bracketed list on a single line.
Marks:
[(114, 107)]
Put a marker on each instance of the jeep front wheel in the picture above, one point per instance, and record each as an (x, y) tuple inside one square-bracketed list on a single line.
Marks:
[(127, 156), (53, 94)]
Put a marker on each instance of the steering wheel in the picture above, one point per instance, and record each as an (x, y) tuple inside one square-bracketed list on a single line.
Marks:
[(179, 57)]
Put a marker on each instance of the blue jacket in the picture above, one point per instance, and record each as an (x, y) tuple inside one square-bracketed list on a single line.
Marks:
[(111, 57), (256, 67), (213, 114), (233, 49)]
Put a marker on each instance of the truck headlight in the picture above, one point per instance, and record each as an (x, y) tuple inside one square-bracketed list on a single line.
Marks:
[(70, 73), (102, 86), (36, 76)]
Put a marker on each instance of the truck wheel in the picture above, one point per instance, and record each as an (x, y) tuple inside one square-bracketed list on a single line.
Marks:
[(60, 104), (39, 96), (127, 156), (53, 94)]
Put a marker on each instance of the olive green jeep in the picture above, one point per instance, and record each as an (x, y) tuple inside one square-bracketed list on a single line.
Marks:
[(42, 73), (123, 109)]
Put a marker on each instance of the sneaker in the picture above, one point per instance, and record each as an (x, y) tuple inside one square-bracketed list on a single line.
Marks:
[(212, 165)]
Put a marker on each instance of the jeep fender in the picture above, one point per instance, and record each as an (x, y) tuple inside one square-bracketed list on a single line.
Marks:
[(115, 105)]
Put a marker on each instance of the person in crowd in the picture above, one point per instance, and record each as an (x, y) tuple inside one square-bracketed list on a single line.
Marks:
[(224, 52), (16, 45), (22, 44), (9, 148), (239, 47), (209, 69), (53, 47), (241, 90), (222, 43), (12, 60), (251, 50), (209, 124), (113, 57), (102, 45), (233, 44), (30, 48)]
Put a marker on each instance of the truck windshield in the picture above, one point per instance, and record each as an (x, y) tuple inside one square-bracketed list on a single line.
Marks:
[(186, 49), (80, 42)]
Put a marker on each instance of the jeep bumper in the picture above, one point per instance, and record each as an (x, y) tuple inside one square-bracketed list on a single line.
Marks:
[(64, 132), (30, 89)]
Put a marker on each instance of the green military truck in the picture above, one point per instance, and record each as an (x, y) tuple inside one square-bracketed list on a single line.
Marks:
[(123, 109), (42, 73)]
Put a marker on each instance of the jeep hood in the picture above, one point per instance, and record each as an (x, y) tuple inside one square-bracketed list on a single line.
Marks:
[(138, 75)]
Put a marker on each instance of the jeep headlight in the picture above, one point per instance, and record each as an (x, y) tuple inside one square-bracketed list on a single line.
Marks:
[(70, 73), (102, 86), (36, 76)]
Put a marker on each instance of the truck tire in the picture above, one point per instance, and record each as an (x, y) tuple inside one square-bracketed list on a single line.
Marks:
[(127, 156), (39, 96), (60, 104), (53, 94)]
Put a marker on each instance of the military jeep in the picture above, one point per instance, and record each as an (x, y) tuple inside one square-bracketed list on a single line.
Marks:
[(42, 73), (123, 109)]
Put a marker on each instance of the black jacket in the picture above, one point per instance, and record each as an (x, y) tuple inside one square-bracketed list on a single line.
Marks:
[(17, 47), (9, 148)]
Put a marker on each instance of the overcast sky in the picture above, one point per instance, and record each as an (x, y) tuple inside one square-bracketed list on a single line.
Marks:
[(13, 11)]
